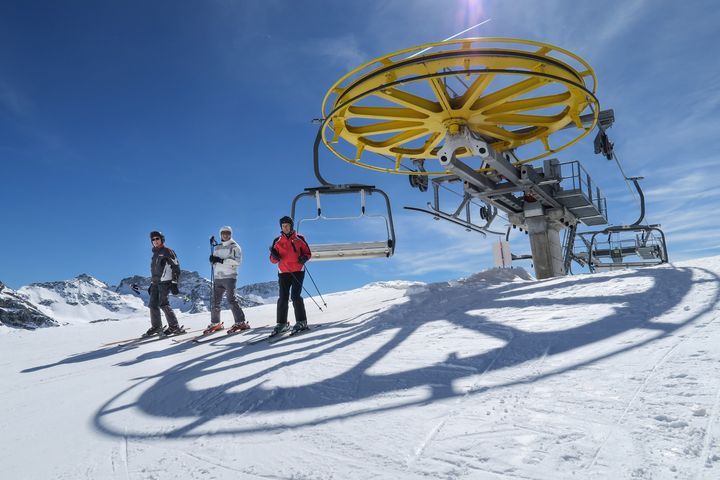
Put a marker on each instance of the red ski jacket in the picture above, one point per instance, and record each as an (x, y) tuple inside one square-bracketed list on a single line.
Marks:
[(290, 248)]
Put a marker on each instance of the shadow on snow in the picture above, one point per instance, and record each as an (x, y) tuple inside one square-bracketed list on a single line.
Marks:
[(167, 395)]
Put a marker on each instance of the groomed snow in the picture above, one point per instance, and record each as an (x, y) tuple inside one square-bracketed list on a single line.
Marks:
[(602, 376)]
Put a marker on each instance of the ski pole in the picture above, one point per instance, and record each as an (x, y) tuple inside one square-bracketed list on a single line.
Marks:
[(305, 289), (213, 243), (316, 287)]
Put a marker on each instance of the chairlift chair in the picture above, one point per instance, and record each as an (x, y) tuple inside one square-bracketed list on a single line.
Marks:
[(614, 247), (383, 248), (354, 250), (646, 242)]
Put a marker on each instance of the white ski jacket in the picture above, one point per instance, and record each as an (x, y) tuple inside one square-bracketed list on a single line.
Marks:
[(231, 253)]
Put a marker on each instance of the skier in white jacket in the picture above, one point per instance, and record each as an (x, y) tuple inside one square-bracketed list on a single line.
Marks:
[(226, 258)]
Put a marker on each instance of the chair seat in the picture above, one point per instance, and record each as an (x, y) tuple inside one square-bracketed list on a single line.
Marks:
[(344, 251)]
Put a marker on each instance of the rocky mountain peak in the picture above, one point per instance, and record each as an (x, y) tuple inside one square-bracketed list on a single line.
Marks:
[(17, 312)]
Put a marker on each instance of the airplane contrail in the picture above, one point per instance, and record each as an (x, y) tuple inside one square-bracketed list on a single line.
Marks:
[(450, 38)]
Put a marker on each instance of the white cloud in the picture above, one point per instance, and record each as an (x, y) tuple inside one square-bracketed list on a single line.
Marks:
[(624, 16), (344, 51), (12, 100)]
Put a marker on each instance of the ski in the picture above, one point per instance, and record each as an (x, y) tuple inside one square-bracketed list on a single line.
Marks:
[(201, 338), (267, 338), (131, 341), (241, 332), (257, 331), (139, 339), (280, 338), (127, 340), (152, 338), (205, 333), (283, 336), (196, 338)]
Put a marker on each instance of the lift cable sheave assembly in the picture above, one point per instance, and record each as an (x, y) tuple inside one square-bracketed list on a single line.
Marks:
[(474, 112), (348, 250), (460, 112), (411, 103)]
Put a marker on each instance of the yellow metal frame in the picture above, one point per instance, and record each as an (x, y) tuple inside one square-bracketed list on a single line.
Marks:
[(376, 108)]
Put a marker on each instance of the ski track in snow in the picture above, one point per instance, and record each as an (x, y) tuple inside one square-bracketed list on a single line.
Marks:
[(683, 339), (705, 459), (636, 394), (455, 410), (125, 456)]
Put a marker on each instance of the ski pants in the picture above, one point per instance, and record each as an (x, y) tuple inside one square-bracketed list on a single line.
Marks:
[(291, 281), (159, 301), (225, 286)]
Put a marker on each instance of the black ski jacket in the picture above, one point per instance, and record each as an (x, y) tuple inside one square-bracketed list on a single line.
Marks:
[(164, 266)]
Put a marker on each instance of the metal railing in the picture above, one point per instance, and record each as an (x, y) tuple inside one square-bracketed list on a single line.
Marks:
[(574, 178)]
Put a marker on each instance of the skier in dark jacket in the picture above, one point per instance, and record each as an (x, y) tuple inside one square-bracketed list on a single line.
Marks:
[(289, 252), (165, 274)]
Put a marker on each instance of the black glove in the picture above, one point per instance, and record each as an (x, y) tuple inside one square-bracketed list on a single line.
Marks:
[(214, 259), (274, 254), (303, 258), (174, 288)]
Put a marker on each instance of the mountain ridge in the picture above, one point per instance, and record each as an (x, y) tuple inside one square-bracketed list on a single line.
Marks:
[(85, 298)]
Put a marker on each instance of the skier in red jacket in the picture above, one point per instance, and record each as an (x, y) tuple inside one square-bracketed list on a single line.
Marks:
[(290, 251)]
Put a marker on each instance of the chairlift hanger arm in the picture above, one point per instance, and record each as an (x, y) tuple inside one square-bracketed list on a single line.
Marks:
[(642, 200), (316, 157), (327, 187)]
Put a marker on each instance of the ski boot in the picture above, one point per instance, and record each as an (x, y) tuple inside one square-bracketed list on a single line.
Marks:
[(153, 331), (213, 327), (174, 330), (299, 327), (239, 327), (280, 328)]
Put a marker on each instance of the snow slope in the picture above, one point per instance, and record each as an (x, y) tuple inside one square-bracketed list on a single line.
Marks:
[(602, 376)]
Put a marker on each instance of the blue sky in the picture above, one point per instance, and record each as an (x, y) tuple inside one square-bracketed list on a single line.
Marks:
[(117, 118)]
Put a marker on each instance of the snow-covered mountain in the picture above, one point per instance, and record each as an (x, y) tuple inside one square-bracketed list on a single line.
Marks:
[(260, 293), (605, 376), (80, 300), (195, 292), (17, 312), (86, 299)]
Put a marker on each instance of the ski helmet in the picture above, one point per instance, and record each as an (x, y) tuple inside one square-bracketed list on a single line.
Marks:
[(287, 219), (155, 233), (226, 228)]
